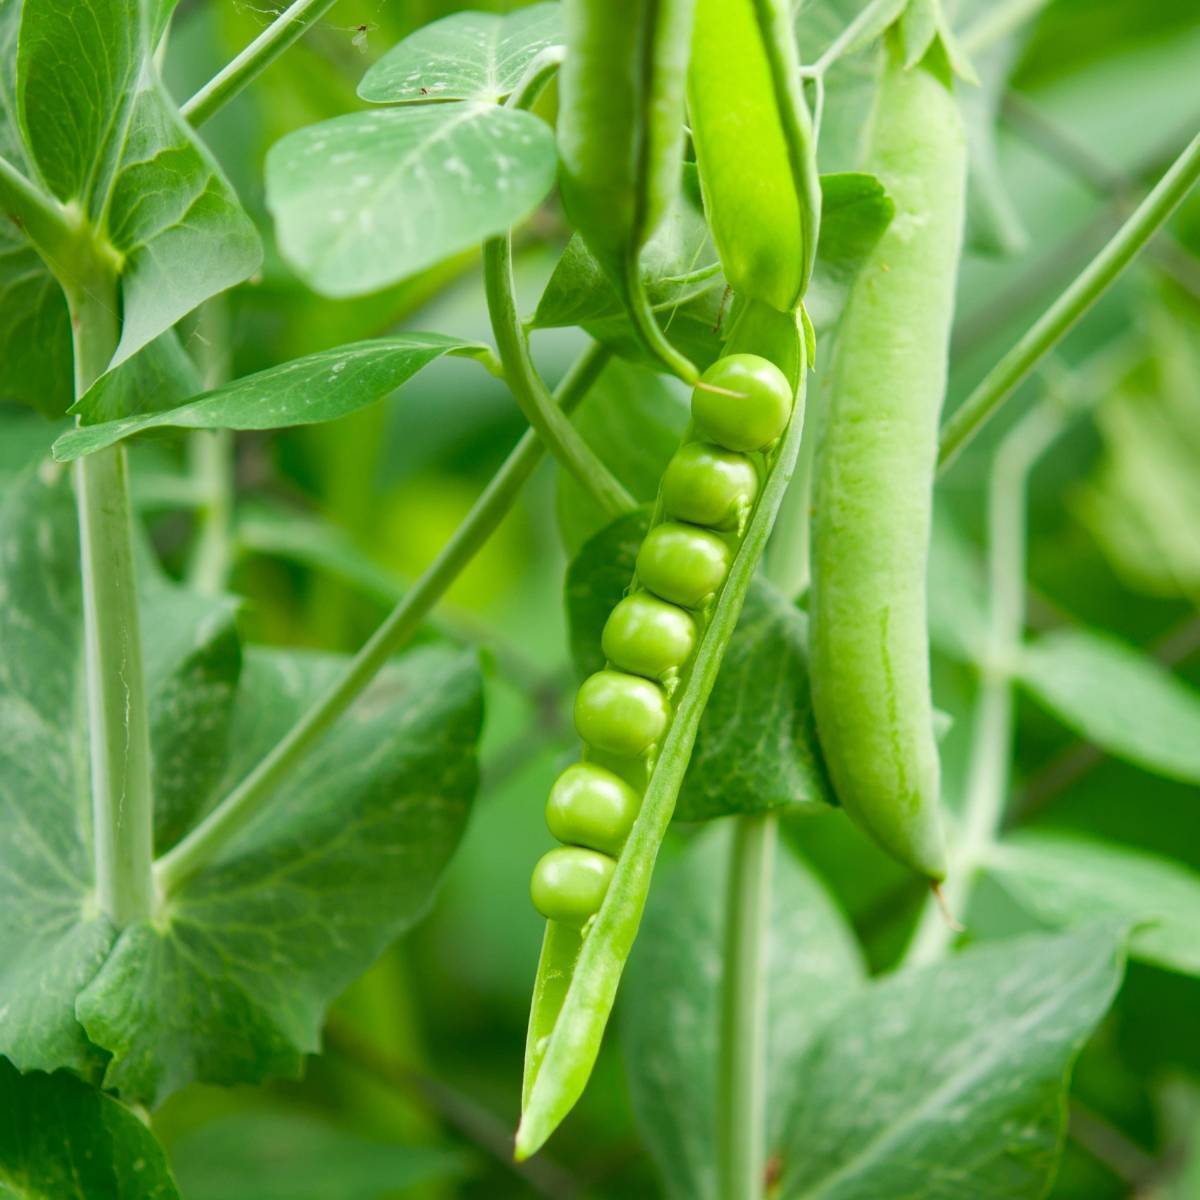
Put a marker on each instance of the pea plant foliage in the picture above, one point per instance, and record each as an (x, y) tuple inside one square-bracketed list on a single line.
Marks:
[(777, 812)]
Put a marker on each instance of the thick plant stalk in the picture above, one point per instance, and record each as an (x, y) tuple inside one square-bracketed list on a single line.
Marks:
[(118, 723)]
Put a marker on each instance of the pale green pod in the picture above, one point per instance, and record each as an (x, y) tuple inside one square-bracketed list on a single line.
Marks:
[(876, 460)]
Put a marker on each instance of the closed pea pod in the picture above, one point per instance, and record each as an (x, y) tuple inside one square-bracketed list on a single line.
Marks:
[(876, 457), (620, 137), (753, 140)]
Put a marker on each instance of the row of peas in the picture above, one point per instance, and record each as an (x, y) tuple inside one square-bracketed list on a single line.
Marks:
[(741, 405)]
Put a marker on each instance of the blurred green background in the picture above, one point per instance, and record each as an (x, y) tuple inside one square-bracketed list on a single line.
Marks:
[(1092, 101)]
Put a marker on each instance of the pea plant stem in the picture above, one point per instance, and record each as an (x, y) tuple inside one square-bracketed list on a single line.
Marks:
[(285, 30), (210, 458), (38, 215), (991, 745), (742, 1053), (1058, 319), (560, 437), (215, 832), (118, 724)]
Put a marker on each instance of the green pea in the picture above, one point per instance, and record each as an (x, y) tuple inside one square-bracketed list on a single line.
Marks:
[(569, 883), (709, 486), (592, 807), (869, 644), (682, 563), (647, 636), (746, 404), (620, 713)]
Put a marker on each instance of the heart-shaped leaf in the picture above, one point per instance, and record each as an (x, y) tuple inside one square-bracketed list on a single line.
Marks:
[(465, 56), (368, 199), (305, 391), (61, 1138), (229, 980), (904, 1094)]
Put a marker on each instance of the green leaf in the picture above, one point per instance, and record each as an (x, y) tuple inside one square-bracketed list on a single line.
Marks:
[(35, 330), (371, 198), (1067, 879), (736, 766), (1117, 698), (465, 56), (157, 377), (682, 279), (855, 210), (52, 939), (110, 140), (670, 1009), (633, 420), (230, 980), (677, 264), (305, 391), (61, 1138), (232, 983), (295, 1156), (950, 1080), (741, 765)]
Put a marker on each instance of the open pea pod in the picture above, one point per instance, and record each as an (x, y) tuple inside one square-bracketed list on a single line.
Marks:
[(754, 147), (580, 967)]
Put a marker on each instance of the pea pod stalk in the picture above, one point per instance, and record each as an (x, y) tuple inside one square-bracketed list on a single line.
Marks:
[(580, 969), (620, 138), (876, 456)]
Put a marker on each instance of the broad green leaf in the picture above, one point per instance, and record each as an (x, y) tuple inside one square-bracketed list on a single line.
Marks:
[(157, 377), (773, 760), (1067, 879), (232, 982), (736, 766), (950, 1080), (280, 1155), (633, 420), (671, 1002), (62, 1139), (109, 139), (52, 939), (1117, 698), (343, 859), (35, 330), (465, 56), (370, 198), (318, 387)]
